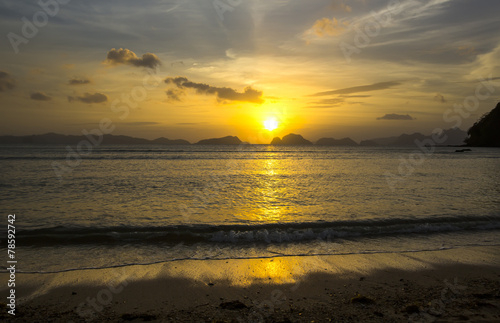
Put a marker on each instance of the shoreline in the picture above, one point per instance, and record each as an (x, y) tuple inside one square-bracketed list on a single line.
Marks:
[(452, 284)]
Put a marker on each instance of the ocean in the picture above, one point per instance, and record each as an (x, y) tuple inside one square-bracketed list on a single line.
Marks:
[(123, 205)]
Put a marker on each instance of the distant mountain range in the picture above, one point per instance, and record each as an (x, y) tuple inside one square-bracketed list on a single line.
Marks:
[(455, 137), (485, 132), (58, 139), (336, 142)]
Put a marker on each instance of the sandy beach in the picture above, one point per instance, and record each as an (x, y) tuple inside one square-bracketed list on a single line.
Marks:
[(447, 285)]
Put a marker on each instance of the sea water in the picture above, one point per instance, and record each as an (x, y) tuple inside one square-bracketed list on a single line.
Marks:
[(120, 205)]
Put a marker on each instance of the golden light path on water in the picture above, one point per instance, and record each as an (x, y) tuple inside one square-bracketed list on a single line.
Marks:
[(257, 201), (270, 192)]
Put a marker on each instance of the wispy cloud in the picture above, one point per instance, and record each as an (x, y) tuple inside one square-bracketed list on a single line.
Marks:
[(40, 96), (141, 123), (340, 6), (328, 27), (330, 102), (362, 88), (7, 82), (190, 123)]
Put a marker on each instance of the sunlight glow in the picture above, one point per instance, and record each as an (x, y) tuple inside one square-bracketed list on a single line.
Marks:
[(271, 124)]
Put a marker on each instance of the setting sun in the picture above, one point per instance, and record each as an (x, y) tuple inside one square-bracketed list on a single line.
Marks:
[(271, 124)]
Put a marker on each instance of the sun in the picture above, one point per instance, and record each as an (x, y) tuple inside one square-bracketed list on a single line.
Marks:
[(271, 124)]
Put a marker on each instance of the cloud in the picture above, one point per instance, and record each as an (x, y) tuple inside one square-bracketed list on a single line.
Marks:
[(180, 63), (141, 123), (126, 56), (319, 107), (89, 98), (331, 102), (223, 93), (466, 51), (37, 71), (190, 123), (7, 82), (362, 88), (340, 6), (328, 27), (440, 98), (78, 81), (230, 53), (356, 96), (173, 94), (336, 101), (394, 116), (40, 96)]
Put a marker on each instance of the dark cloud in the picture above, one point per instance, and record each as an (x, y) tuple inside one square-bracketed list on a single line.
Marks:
[(126, 56), (319, 106), (334, 101), (356, 96), (173, 94), (89, 98), (141, 123), (78, 81), (394, 116), (362, 88), (179, 80), (190, 123), (6, 81), (440, 98), (223, 93), (40, 96)]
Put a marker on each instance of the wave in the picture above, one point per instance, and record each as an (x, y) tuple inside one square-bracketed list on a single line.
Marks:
[(278, 255), (146, 154), (273, 233)]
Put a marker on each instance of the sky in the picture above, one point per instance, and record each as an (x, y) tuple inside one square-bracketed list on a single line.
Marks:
[(195, 69)]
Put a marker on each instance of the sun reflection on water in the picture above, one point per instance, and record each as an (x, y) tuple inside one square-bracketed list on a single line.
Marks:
[(270, 192), (268, 187)]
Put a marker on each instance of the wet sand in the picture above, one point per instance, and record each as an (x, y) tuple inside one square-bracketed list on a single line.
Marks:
[(447, 285)]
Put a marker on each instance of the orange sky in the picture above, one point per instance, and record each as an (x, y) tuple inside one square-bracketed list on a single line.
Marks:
[(191, 70)]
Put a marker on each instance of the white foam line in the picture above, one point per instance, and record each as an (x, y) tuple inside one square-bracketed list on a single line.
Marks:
[(278, 255)]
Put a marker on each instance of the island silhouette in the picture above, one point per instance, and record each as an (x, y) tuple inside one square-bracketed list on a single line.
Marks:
[(291, 140), (484, 133), (455, 137), (228, 140)]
